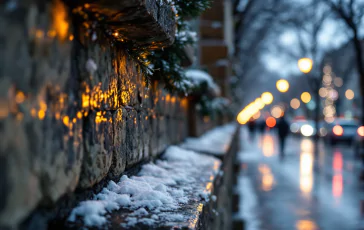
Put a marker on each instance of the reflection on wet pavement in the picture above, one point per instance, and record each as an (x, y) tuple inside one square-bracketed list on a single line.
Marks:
[(306, 177), (305, 191), (267, 145), (267, 177), (306, 225)]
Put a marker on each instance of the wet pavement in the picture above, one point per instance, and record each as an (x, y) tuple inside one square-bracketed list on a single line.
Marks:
[(304, 191)]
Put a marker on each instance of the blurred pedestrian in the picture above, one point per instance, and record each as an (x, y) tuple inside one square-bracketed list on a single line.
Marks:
[(261, 126), (283, 130), (251, 128)]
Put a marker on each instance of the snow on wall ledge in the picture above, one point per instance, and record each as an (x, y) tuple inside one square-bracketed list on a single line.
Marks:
[(74, 111), (162, 194), (215, 142)]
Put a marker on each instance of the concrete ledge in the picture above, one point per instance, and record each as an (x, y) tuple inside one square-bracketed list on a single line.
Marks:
[(147, 22), (209, 199)]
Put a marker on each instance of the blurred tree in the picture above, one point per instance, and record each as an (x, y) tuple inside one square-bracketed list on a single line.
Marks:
[(352, 12), (254, 22), (306, 23)]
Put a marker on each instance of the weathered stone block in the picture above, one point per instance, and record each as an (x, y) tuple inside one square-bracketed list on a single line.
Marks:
[(163, 139), (119, 143), (98, 140), (20, 185), (154, 123), (147, 133), (146, 17), (132, 152)]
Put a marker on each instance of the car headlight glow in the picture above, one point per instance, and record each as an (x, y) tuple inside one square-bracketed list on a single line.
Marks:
[(307, 130)]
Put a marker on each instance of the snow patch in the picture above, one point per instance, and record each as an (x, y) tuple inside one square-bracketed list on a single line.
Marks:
[(197, 77), (248, 205), (150, 192), (215, 141)]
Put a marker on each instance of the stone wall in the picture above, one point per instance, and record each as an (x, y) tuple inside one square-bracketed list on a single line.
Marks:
[(74, 109)]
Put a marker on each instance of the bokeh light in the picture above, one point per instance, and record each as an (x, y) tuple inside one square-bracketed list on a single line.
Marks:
[(259, 103), (307, 130), (295, 103), (338, 130), (361, 131), (305, 65), (267, 98), (277, 111), (282, 85), (271, 122), (349, 94), (306, 97), (323, 92)]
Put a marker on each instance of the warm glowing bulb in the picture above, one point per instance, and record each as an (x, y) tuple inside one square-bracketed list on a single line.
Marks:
[(282, 85), (267, 98), (271, 122), (349, 94), (306, 97), (295, 103), (305, 65)]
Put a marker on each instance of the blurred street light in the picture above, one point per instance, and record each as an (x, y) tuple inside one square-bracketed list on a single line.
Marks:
[(282, 85), (277, 111), (306, 97), (267, 98), (271, 122), (295, 103), (305, 65), (259, 103), (349, 94), (323, 92)]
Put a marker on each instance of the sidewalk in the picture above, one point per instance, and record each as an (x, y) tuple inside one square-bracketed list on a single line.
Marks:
[(290, 194)]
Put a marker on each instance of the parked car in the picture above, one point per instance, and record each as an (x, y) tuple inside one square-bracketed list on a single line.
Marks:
[(341, 130), (296, 125), (306, 128), (359, 143)]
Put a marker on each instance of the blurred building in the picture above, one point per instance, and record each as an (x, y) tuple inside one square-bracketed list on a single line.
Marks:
[(216, 44)]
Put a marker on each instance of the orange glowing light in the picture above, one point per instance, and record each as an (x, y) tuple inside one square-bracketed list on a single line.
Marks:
[(338, 130), (60, 23), (282, 85), (66, 120), (349, 94), (361, 131), (19, 97), (41, 114), (71, 37), (306, 225), (271, 122), (306, 97), (305, 65), (79, 115)]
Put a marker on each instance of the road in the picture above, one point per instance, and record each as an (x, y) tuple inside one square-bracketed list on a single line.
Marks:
[(304, 191)]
